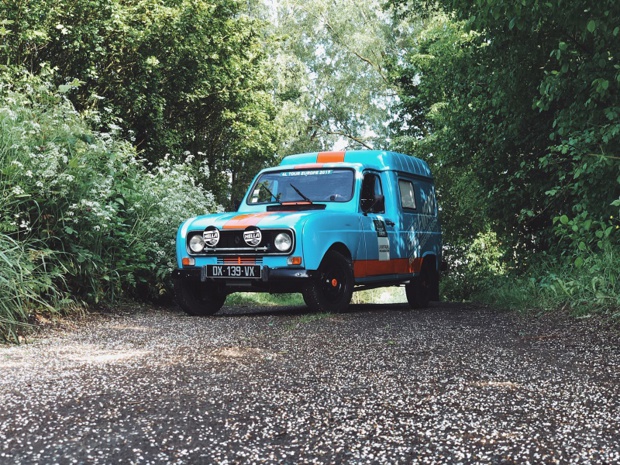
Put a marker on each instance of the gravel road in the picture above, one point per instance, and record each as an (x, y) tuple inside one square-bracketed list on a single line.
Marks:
[(378, 384)]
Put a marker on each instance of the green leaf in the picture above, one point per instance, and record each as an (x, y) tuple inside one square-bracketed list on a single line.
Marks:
[(511, 25), (564, 219), (591, 25), (578, 262)]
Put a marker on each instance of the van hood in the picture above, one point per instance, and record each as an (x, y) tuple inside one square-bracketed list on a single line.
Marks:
[(236, 220)]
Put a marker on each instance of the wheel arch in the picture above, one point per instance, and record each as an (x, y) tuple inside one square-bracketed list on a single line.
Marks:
[(430, 261), (340, 247)]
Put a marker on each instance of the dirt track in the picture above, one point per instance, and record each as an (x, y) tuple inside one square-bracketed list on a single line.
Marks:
[(378, 384)]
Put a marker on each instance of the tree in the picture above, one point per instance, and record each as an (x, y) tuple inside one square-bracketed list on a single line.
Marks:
[(179, 75), (519, 101), (331, 76)]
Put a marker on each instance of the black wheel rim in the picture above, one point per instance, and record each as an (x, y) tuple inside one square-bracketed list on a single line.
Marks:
[(333, 283)]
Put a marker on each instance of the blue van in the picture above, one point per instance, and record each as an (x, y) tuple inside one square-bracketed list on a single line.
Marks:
[(324, 224)]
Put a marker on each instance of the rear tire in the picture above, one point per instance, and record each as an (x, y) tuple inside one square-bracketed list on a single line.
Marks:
[(418, 290), (331, 288), (197, 298)]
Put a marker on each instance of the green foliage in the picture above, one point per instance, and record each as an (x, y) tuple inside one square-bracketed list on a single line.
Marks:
[(262, 299), (329, 62), (592, 286), (473, 267), (175, 75), (517, 103), (581, 236), (30, 276), (383, 295), (87, 197)]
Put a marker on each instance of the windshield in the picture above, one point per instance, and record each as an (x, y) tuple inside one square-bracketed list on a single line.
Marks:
[(315, 185)]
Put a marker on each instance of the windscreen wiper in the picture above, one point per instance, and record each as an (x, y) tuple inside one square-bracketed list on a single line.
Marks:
[(275, 197), (300, 193)]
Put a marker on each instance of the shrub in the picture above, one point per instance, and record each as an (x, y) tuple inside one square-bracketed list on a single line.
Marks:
[(87, 196), (584, 280), (592, 287), (472, 267)]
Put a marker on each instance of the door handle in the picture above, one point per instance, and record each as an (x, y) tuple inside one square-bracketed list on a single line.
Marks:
[(390, 223)]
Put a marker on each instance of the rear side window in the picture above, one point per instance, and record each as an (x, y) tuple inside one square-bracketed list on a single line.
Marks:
[(407, 196)]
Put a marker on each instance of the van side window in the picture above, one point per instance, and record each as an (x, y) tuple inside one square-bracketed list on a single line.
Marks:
[(407, 196), (428, 200), (371, 188)]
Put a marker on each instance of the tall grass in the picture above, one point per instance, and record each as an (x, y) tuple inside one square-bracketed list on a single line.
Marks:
[(583, 279), (27, 283), (592, 286)]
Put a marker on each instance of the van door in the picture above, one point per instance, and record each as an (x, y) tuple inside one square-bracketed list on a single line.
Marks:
[(380, 231)]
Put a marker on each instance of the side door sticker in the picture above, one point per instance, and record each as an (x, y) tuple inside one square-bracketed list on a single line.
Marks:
[(383, 242)]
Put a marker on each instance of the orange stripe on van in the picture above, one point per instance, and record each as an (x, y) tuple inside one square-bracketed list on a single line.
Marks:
[(243, 221), (307, 166), (365, 268), (330, 157)]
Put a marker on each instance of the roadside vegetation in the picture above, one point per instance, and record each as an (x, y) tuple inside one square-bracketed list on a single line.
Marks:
[(84, 220), (118, 120), (518, 104)]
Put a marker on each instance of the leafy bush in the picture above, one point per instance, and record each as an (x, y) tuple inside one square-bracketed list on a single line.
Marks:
[(472, 267), (86, 196), (592, 287), (584, 280)]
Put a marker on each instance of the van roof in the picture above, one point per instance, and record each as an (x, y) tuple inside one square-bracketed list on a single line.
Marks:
[(380, 160)]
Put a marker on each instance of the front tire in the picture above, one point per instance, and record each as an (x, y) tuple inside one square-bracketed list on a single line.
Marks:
[(331, 288), (197, 298)]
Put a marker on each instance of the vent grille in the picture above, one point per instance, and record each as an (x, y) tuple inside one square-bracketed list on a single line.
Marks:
[(239, 261)]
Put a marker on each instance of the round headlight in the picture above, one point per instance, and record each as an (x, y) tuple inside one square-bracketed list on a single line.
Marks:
[(283, 242), (211, 236), (196, 244)]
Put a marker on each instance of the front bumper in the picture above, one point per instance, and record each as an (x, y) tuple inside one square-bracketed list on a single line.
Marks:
[(271, 280)]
